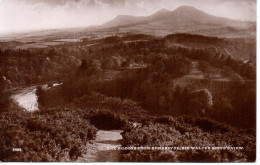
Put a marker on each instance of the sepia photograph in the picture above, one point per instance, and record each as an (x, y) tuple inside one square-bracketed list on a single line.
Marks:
[(128, 81)]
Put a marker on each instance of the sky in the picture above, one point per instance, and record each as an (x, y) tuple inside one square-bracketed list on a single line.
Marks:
[(28, 15)]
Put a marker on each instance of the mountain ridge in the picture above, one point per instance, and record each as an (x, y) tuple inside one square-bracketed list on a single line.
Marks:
[(183, 19)]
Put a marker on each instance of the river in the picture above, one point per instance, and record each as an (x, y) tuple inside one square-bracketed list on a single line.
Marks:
[(27, 98)]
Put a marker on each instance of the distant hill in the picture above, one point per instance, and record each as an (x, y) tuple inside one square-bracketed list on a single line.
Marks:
[(184, 19), (128, 20), (238, 48)]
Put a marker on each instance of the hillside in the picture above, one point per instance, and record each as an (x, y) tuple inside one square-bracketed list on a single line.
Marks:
[(238, 48), (136, 90)]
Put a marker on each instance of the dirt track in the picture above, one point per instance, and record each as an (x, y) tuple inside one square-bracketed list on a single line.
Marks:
[(99, 150)]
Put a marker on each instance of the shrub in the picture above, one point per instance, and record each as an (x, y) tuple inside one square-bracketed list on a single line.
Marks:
[(107, 120), (188, 131), (164, 120), (44, 135)]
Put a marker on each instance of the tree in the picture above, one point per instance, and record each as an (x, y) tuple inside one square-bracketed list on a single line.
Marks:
[(223, 109), (4, 99), (108, 63), (40, 93), (162, 103), (228, 61), (201, 101), (83, 65), (237, 79), (203, 66)]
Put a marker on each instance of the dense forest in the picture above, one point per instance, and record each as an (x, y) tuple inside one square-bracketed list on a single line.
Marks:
[(181, 95), (25, 67)]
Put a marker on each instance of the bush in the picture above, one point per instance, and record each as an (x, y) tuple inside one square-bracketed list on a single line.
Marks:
[(44, 135), (164, 120), (191, 132), (107, 121), (122, 107), (206, 124)]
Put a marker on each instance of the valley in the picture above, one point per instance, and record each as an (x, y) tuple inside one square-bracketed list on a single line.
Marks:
[(172, 79)]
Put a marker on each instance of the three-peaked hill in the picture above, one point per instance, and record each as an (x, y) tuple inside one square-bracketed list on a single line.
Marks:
[(184, 19)]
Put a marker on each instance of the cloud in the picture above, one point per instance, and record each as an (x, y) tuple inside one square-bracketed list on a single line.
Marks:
[(21, 15)]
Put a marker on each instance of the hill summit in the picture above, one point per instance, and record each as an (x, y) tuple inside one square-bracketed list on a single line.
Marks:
[(186, 19)]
